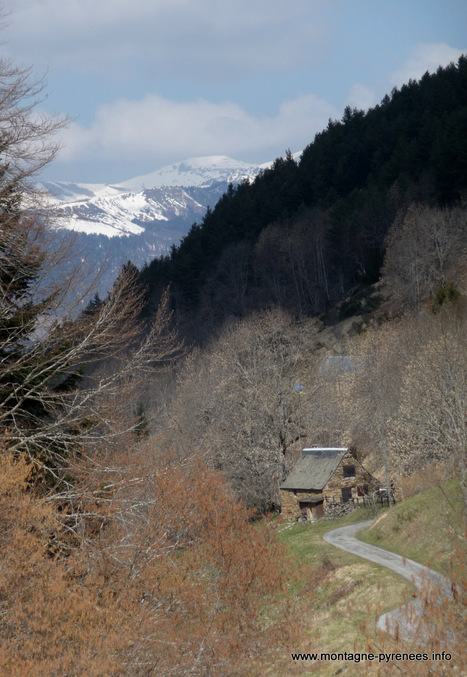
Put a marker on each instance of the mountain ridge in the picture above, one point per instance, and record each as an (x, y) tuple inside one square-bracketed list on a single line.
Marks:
[(143, 217), (201, 171), (197, 171)]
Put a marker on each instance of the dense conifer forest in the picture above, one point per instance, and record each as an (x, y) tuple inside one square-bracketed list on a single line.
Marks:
[(305, 235)]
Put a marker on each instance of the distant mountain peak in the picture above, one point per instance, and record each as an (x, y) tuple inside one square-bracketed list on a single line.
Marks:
[(141, 218), (195, 172)]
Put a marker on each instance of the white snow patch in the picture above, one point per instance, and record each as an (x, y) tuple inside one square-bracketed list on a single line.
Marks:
[(197, 171)]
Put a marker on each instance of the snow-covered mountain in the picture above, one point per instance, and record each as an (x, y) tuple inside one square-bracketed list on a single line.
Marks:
[(197, 171), (141, 218), (129, 213), (164, 195)]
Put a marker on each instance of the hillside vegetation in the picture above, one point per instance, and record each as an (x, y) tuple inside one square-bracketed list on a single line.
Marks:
[(304, 236), (143, 441), (426, 527), (359, 250)]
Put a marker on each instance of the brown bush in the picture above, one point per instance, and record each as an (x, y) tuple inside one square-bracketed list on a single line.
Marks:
[(175, 580), (439, 631)]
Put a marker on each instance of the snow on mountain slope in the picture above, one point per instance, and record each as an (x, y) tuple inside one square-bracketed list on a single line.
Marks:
[(63, 192), (127, 213), (197, 171), (141, 218), (164, 195)]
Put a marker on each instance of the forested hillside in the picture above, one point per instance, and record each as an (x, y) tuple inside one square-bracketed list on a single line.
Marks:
[(143, 441), (357, 250), (305, 235)]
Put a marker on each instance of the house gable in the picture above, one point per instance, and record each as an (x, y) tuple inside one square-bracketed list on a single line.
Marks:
[(330, 475)]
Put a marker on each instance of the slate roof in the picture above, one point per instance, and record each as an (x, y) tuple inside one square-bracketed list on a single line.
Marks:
[(336, 366), (314, 468)]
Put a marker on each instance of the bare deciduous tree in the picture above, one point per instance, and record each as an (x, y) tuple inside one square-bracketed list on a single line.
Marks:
[(425, 249), (381, 355), (431, 422), (52, 402), (236, 402)]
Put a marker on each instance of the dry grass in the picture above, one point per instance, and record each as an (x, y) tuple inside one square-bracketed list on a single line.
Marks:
[(352, 596), (427, 528)]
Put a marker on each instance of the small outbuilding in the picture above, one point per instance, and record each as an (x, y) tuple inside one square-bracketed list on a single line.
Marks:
[(322, 478)]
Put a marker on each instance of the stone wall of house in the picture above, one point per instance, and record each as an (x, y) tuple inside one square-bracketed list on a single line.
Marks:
[(333, 489), (290, 507), (332, 492)]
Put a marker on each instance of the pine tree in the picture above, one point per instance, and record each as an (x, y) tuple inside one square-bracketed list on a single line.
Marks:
[(20, 311)]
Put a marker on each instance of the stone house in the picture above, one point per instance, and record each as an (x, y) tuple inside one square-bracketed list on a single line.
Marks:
[(323, 478)]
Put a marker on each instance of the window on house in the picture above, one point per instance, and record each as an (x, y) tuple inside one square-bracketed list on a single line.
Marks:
[(349, 471)]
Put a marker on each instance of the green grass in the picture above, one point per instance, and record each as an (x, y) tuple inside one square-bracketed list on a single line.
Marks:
[(352, 591), (426, 527)]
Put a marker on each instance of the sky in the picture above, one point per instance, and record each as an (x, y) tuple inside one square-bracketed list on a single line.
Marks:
[(146, 83)]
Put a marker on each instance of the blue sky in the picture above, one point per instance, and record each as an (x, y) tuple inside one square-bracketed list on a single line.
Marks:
[(149, 82)]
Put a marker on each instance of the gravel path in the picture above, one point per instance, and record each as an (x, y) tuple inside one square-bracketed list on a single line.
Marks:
[(405, 620)]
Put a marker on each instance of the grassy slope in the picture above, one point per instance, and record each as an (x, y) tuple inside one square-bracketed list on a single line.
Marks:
[(354, 592), (425, 527)]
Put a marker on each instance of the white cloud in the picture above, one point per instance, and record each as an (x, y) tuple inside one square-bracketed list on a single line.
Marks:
[(361, 97), (162, 56), (425, 57), (166, 130), (177, 37)]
